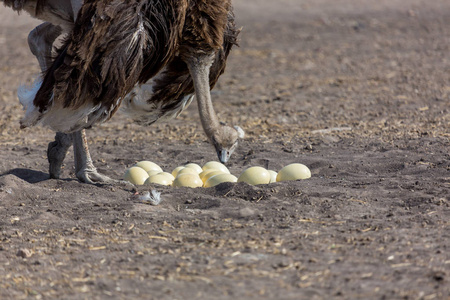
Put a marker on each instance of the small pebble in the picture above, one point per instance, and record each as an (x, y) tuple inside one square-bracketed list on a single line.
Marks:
[(246, 212), (24, 253)]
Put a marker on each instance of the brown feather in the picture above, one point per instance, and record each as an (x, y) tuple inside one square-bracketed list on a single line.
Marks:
[(19, 5), (205, 24), (116, 44), (176, 82), (105, 55), (16, 5), (40, 5)]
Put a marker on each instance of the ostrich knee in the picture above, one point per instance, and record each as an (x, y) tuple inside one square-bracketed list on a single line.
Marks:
[(40, 41)]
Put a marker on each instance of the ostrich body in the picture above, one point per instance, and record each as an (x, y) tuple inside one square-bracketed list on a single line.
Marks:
[(151, 56)]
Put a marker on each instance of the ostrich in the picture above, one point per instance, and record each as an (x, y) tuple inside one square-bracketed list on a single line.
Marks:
[(151, 56)]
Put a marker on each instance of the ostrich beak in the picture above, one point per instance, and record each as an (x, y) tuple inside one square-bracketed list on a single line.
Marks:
[(224, 155), (225, 148)]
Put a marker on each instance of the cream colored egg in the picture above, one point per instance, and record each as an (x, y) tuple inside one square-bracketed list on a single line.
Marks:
[(216, 165), (153, 172), (160, 178), (148, 165), (255, 175), (187, 171), (218, 179), (136, 175), (195, 167), (202, 174), (211, 174), (273, 176), (188, 180), (168, 175), (294, 172), (176, 170)]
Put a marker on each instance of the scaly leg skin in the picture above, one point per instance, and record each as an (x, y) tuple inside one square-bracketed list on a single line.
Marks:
[(84, 167), (56, 152)]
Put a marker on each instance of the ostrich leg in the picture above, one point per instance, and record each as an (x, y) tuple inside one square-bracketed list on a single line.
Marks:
[(84, 167), (40, 41), (56, 152)]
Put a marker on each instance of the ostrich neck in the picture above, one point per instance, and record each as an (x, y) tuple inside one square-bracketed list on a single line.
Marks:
[(199, 69)]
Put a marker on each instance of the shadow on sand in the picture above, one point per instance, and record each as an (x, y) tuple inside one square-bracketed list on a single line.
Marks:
[(28, 175)]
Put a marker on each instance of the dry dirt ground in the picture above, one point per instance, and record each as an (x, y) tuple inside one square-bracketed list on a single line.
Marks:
[(357, 90)]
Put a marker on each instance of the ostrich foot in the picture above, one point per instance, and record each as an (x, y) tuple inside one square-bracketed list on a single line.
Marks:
[(84, 168), (93, 177), (56, 152)]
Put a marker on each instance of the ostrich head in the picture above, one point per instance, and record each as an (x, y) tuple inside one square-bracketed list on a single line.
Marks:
[(225, 140)]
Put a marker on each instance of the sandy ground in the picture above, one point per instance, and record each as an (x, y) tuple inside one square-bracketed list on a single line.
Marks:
[(357, 90)]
